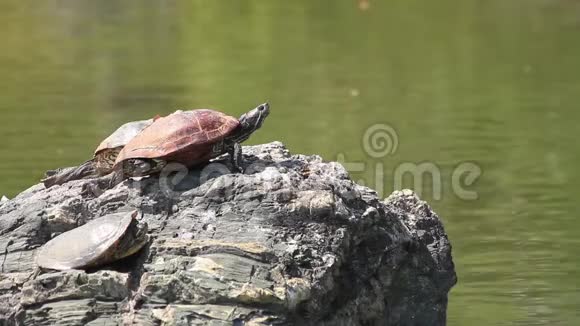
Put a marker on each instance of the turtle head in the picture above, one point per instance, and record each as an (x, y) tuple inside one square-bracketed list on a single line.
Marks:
[(251, 121), (134, 238)]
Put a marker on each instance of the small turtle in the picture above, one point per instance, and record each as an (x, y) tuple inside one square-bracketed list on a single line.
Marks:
[(104, 157), (187, 137), (100, 241)]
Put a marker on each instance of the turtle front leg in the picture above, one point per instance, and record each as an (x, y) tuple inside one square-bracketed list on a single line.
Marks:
[(236, 157)]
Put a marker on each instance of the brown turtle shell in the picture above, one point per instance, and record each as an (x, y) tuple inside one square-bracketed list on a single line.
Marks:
[(186, 137)]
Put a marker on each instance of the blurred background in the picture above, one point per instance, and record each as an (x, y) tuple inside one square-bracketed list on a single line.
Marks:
[(495, 83)]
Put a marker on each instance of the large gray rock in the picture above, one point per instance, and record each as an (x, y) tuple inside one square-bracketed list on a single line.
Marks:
[(293, 241)]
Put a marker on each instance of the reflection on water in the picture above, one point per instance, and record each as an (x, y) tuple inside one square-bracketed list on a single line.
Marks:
[(494, 82)]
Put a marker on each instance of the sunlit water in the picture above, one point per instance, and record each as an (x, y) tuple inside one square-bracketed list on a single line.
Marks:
[(492, 83)]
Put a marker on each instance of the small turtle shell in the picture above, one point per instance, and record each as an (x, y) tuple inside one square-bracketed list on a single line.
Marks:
[(86, 245), (123, 135), (108, 150)]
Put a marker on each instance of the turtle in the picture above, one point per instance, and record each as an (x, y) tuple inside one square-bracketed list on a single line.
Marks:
[(190, 138), (98, 242), (104, 156)]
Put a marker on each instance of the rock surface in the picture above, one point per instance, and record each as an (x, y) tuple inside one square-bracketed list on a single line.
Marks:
[(293, 241)]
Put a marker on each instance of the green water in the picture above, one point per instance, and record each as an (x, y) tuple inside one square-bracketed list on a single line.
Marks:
[(495, 83)]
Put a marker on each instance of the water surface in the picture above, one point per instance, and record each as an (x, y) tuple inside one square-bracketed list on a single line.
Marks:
[(495, 83)]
